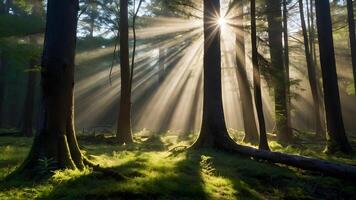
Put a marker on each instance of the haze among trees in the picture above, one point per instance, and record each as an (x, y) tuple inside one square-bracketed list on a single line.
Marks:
[(177, 99)]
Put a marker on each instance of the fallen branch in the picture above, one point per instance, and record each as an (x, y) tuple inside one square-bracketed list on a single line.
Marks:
[(325, 167)]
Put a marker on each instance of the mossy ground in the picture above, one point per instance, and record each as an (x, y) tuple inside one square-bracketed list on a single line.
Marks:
[(155, 173)]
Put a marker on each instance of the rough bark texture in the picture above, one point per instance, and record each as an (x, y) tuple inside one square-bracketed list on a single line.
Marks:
[(55, 138), (213, 131), (124, 135), (275, 29), (251, 132), (311, 72), (263, 143), (351, 22), (336, 136)]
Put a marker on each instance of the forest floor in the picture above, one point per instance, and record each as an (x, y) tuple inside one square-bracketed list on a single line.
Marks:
[(154, 172)]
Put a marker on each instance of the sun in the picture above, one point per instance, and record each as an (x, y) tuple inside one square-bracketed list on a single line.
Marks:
[(221, 21)]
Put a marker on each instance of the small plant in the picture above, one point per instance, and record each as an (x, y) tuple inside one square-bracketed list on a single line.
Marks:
[(46, 166)]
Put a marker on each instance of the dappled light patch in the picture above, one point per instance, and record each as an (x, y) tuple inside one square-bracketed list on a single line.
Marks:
[(161, 174)]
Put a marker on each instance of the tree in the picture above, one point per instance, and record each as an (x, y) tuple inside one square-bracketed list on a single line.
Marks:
[(55, 139), (275, 29), (286, 60), (352, 35), (311, 72), (2, 83), (336, 136), (213, 131), (28, 113), (251, 132), (263, 143), (124, 120)]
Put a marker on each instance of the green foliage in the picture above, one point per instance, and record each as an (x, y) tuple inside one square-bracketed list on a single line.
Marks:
[(12, 25), (46, 166)]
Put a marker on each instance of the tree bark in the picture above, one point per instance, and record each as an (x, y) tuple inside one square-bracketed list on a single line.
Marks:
[(311, 72), (213, 131), (336, 136), (124, 135), (286, 61), (249, 121), (263, 143), (342, 171), (275, 30), (55, 138), (351, 23)]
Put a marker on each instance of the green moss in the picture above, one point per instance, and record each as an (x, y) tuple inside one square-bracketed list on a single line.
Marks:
[(159, 174)]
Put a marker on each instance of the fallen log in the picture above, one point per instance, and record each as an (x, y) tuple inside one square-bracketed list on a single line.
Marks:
[(328, 168)]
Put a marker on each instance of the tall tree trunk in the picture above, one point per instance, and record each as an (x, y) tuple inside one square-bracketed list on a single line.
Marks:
[(263, 143), (55, 138), (286, 60), (275, 29), (336, 137), (213, 131), (251, 132), (351, 22), (2, 84), (124, 135), (29, 101), (28, 114), (311, 72)]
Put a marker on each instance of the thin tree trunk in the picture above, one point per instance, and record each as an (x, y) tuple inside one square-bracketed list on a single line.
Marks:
[(54, 139), (263, 143), (251, 132), (275, 29), (351, 22), (336, 137), (124, 135), (286, 61), (161, 62), (27, 128), (213, 131), (311, 72), (2, 84)]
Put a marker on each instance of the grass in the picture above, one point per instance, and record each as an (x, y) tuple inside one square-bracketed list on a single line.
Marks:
[(155, 173)]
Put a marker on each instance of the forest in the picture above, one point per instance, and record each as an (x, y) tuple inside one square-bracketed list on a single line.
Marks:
[(177, 99)]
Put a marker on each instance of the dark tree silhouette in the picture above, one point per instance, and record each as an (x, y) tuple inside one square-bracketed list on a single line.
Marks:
[(351, 22), (311, 72), (124, 134), (249, 121), (263, 143), (56, 138), (286, 60), (213, 131), (336, 137), (2, 83), (275, 29)]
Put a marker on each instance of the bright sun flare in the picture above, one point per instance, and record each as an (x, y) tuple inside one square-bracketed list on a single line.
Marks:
[(221, 21)]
